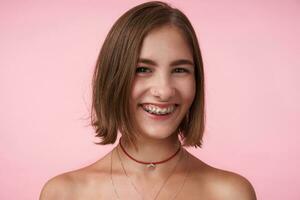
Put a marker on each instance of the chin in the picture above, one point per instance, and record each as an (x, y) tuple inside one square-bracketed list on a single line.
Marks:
[(157, 134)]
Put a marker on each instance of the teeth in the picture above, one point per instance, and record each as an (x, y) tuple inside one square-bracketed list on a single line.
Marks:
[(156, 110)]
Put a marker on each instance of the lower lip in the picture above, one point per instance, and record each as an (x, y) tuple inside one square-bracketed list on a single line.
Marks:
[(160, 117)]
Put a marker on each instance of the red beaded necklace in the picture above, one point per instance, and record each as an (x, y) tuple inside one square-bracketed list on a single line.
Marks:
[(149, 164)]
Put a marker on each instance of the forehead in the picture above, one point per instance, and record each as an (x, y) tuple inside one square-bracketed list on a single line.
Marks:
[(164, 44)]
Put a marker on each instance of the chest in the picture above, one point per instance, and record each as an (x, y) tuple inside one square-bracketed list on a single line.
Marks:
[(127, 191)]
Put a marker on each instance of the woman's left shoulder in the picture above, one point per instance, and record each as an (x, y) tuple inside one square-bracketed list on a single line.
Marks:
[(231, 185), (223, 184)]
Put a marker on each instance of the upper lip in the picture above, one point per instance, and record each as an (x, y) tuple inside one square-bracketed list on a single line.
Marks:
[(160, 104)]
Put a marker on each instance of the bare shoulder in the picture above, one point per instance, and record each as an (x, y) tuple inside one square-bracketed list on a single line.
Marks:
[(78, 184), (229, 185), (221, 184), (59, 187)]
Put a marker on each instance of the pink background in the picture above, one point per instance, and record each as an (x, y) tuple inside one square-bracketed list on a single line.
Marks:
[(251, 53)]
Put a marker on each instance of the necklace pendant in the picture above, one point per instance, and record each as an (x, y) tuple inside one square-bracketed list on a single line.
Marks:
[(151, 166)]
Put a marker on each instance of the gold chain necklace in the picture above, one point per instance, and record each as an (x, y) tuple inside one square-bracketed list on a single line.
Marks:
[(131, 182), (175, 195), (111, 178), (161, 185)]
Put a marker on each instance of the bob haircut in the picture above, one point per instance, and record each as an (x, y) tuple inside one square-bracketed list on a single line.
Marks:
[(115, 71)]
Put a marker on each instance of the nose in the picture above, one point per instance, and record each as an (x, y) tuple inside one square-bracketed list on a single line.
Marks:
[(163, 89)]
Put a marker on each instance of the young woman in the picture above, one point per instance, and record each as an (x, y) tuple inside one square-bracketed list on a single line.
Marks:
[(148, 86)]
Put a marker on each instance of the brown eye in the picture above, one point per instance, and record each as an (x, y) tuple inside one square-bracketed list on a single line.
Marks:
[(142, 70), (181, 70)]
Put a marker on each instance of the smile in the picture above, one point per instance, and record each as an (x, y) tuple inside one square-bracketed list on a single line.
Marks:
[(157, 110)]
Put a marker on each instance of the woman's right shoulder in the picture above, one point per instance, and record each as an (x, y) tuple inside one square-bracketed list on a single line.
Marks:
[(71, 184), (58, 187)]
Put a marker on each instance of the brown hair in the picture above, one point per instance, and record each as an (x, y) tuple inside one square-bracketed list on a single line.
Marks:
[(115, 71)]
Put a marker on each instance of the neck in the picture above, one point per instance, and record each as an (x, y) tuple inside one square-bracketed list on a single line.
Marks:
[(150, 150)]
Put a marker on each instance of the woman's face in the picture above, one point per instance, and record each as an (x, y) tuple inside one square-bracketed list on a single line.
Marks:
[(164, 84)]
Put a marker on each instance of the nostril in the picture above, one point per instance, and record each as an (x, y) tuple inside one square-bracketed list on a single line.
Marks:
[(164, 92), (154, 92)]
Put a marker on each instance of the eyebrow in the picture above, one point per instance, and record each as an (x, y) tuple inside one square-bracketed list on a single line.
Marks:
[(173, 63)]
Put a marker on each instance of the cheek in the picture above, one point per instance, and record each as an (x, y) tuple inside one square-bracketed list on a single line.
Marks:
[(188, 90), (136, 90)]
